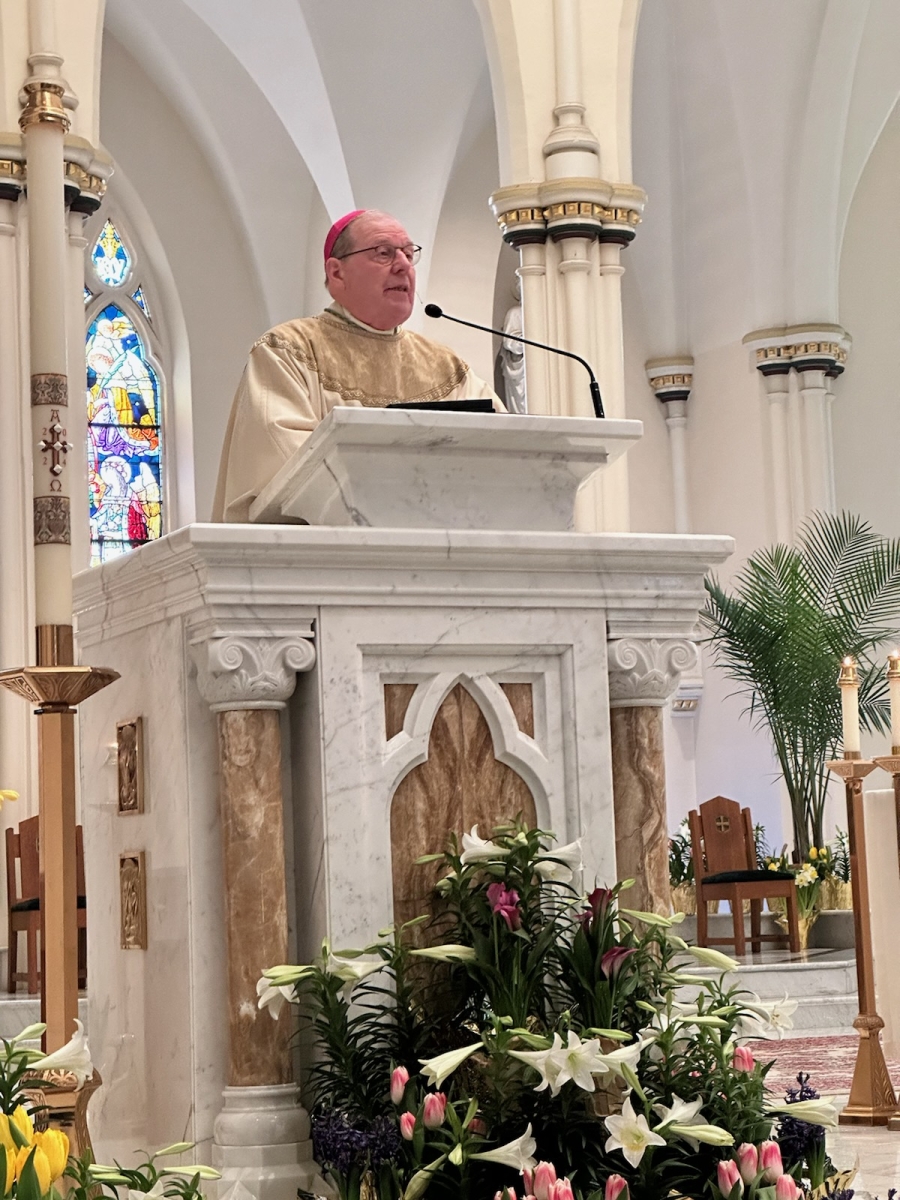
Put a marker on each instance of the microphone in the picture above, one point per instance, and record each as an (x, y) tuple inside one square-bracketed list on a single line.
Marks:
[(434, 310)]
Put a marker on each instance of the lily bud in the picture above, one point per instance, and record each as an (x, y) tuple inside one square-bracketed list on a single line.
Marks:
[(616, 1189), (748, 1161), (728, 1178), (544, 1179), (399, 1080), (435, 1107), (770, 1161), (743, 1060)]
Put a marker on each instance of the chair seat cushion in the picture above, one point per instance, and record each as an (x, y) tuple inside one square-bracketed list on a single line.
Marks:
[(34, 905), (747, 877)]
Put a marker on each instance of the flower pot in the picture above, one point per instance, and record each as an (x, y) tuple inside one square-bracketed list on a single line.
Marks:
[(836, 894), (684, 899)]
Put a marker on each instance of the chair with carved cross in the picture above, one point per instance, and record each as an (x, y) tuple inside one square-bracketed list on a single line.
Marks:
[(725, 868)]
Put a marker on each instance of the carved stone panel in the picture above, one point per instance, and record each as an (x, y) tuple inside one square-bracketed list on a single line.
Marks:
[(130, 765), (133, 900), (461, 784)]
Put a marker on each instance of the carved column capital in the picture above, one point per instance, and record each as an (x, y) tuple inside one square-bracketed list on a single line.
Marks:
[(238, 672), (643, 673)]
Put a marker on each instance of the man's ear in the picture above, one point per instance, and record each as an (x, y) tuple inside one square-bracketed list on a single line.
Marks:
[(334, 272)]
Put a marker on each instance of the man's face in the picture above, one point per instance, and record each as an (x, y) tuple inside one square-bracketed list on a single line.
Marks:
[(379, 295)]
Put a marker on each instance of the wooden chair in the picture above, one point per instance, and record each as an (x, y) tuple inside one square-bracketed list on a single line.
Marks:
[(725, 868), (23, 891)]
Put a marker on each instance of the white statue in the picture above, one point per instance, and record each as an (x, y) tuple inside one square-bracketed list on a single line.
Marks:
[(512, 355)]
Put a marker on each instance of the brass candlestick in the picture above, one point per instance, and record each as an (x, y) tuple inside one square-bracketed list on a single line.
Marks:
[(872, 1100), (891, 764)]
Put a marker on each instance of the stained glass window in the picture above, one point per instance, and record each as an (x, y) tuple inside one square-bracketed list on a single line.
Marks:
[(112, 262), (124, 404), (141, 301)]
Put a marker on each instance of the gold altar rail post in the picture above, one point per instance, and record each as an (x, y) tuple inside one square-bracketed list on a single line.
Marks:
[(872, 1100)]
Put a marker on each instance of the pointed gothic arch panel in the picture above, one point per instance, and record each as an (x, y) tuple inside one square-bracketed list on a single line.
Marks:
[(459, 785)]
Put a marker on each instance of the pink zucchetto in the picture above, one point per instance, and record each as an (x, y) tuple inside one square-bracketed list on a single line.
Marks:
[(338, 228)]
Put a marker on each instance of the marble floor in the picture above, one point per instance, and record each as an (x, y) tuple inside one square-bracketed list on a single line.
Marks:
[(876, 1150)]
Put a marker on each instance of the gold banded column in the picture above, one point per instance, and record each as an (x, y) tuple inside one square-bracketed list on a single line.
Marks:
[(643, 674), (262, 1134), (671, 381)]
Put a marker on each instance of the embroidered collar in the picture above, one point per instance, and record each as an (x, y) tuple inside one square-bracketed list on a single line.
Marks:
[(338, 310)]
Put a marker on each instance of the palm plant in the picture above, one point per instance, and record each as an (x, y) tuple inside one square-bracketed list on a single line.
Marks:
[(780, 633)]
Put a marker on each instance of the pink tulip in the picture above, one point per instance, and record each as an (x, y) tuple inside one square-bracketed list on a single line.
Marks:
[(407, 1125), (505, 902), (508, 1193), (770, 1161), (616, 1186), (562, 1190), (528, 1179), (399, 1080), (544, 1179), (476, 1125), (743, 1060), (748, 1161), (435, 1107), (729, 1177), (786, 1188)]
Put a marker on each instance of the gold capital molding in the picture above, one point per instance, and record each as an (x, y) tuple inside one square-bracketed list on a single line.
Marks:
[(776, 351), (87, 169), (576, 207), (671, 378)]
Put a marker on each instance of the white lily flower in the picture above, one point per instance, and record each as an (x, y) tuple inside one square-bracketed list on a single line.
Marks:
[(577, 1062), (681, 1112), (631, 1134), (816, 1112), (518, 1154), (350, 972), (560, 865), (74, 1056), (447, 953), (476, 849), (437, 1069), (622, 1056), (273, 998), (544, 1062), (157, 1191), (713, 958), (767, 1018)]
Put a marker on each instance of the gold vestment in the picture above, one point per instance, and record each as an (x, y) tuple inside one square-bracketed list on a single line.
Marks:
[(299, 371)]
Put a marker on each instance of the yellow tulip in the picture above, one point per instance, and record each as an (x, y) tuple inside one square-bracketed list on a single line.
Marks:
[(6, 1138), (23, 1123), (813, 853), (8, 1165), (55, 1145), (39, 1162)]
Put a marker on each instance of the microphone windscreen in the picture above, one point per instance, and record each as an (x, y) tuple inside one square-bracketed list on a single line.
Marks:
[(433, 310)]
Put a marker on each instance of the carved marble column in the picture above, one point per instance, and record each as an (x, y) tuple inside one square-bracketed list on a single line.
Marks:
[(642, 676), (262, 1133)]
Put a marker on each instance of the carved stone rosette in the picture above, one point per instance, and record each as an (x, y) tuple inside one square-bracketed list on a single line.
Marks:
[(238, 672), (645, 672)]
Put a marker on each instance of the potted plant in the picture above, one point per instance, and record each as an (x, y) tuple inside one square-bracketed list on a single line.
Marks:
[(780, 633), (681, 871)]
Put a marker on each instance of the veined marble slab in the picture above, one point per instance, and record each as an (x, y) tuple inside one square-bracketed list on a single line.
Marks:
[(404, 469)]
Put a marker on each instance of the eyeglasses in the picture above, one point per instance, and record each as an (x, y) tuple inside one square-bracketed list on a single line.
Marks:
[(384, 255)]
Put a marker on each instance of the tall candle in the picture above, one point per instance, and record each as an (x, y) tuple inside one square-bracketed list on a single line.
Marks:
[(893, 674), (848, 682)]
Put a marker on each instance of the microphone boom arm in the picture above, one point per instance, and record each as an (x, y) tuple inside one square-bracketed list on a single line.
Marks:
[(595, 387)]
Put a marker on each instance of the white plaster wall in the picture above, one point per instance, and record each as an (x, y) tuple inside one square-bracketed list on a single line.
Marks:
[(466, 249), (866, 414), (220, 295)]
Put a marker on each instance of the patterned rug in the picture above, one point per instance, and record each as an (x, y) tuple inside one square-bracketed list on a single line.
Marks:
[(828, 1060)]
